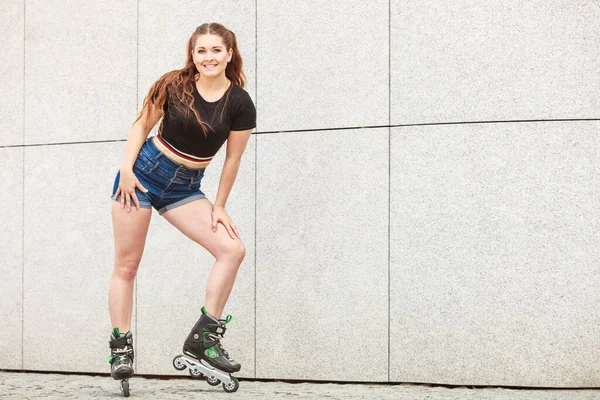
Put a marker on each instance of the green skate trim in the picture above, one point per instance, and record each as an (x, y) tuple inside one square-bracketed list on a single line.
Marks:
[(211, 353), (227, 320), (110, 359)]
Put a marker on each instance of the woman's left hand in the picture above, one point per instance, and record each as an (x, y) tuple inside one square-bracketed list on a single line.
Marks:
[(220, 215)]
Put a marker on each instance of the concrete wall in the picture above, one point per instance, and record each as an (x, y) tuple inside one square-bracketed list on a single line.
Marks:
[(419, 203)]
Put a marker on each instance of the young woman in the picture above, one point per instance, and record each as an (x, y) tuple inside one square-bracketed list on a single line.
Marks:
[(201, 106)]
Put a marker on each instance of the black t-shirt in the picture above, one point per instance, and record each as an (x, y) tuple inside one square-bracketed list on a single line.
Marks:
[(181, 129)]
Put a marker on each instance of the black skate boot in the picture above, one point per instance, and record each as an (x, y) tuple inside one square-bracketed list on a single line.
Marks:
[(121, 355), (204, 342)]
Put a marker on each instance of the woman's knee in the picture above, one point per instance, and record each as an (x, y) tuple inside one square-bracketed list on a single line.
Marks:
[(126, 267), (241, 250), (233, 250)]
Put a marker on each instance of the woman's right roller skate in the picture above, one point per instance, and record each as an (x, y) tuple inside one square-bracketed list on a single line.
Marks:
[(205, 356), (121, 358)]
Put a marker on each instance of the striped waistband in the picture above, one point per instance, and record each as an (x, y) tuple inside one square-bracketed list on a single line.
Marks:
[(181, 154)]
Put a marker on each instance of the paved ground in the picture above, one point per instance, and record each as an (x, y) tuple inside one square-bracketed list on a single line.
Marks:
[(24, 385)]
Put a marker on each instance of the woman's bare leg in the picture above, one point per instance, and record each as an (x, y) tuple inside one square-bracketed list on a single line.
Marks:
[(194, 221), (130, 229)]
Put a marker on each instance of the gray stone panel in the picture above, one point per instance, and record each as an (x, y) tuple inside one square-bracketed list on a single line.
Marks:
[(80, 70), (494, 259), (494, 60), (322, 64), (68, 255), (11, 258), (322, 255), (11, 71), (163, 43), (173, 275)]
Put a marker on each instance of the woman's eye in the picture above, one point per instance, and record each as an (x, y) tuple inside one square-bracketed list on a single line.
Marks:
[(204, 51)]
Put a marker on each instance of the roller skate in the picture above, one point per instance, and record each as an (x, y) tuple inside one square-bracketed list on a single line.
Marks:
[(121, 358), (205, 356)]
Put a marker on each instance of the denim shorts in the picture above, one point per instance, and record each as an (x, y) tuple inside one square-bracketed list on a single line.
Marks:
[(169, 184)]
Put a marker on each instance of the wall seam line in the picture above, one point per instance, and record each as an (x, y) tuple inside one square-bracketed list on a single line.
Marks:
[(23, 199), (255, 168), (325, 129), (137, 80), (389, 176)]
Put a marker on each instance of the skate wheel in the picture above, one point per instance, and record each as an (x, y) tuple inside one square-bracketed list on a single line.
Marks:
[(231, 386), (178, 364), (212, 381), (196, 374), (125, 387)]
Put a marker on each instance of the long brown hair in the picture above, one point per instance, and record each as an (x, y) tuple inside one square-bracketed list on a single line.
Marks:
[(178, 83)]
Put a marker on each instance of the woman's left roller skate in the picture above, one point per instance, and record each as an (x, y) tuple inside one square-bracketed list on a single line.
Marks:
[(121, 358), (205, 356)]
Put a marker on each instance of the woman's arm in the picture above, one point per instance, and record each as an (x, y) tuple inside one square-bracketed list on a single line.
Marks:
[(236, 145), (137, 136)]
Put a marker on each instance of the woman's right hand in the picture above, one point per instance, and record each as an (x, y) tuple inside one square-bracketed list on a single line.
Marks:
[(127, 184)]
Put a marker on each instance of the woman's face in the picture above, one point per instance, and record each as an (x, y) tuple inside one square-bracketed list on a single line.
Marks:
[(210, 55)]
